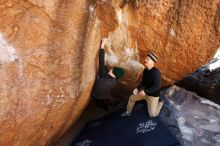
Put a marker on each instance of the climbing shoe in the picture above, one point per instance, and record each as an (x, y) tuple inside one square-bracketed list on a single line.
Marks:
[(125, 114)]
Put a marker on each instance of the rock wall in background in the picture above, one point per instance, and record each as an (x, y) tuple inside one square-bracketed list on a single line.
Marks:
[(48, 54), (206, 80)]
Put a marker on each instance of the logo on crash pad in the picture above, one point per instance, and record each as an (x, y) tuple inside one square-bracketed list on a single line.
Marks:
[(145, 127), (85, 142)]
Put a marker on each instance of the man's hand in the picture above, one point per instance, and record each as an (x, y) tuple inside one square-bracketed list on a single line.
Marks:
[(142, 93), (104, 41), (135, 91)]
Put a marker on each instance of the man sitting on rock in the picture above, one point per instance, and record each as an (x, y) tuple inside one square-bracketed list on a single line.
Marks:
[(148, 89), (105, 81)]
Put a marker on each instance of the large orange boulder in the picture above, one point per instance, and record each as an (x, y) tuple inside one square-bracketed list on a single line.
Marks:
[(184, 34), (49, 49), (47, 67)]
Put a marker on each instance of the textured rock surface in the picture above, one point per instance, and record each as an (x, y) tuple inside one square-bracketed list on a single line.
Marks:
[(48, 51), (47, 68), (206, 80), (197, 118), (185, 34)]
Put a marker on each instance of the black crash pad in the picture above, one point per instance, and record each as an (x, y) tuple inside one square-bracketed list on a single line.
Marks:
[(137, 130)]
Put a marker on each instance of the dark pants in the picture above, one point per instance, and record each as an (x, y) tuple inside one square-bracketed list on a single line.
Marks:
[(107, 104)]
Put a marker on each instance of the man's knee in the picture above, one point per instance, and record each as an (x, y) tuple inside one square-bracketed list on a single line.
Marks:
[(153, 114)]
